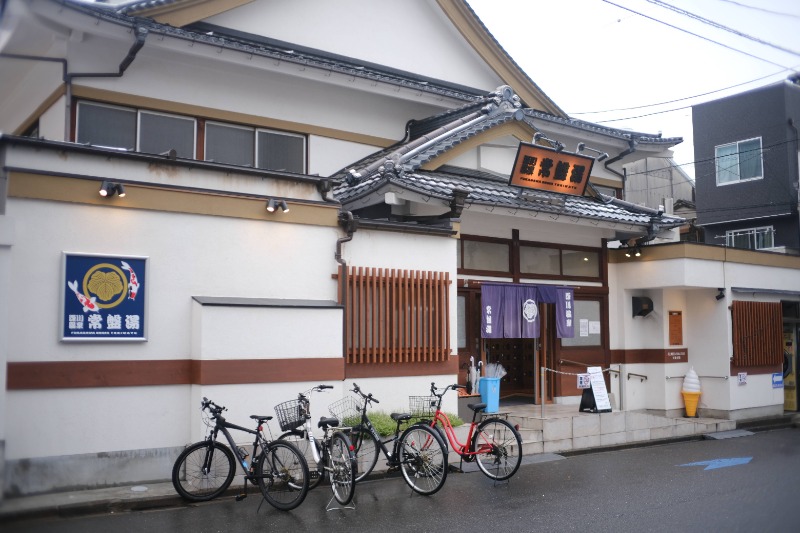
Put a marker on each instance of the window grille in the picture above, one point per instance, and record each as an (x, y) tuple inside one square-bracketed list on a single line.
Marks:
[(757, 333), (397, 316)]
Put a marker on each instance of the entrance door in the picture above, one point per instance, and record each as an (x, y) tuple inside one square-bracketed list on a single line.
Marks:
[(521, 358)]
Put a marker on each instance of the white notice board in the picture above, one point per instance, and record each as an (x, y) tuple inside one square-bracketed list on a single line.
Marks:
[(599, 388)]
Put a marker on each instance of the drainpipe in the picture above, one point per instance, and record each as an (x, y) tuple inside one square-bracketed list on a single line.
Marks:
[(350, 226), (141, 35), (790, 121), (628, 151)]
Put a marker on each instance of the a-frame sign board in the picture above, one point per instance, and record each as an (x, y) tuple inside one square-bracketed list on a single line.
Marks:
[(595, 398)]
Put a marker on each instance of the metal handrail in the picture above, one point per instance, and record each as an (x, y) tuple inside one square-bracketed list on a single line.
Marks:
[(576, 363), (641, 377), (726, 378)]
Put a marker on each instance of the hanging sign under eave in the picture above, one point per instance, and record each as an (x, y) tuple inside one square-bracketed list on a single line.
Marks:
[(538, 167)]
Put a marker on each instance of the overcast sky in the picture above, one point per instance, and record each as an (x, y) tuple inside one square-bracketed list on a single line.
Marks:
[(590, 56)]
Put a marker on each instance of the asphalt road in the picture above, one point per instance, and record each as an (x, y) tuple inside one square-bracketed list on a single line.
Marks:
[(747, 484)]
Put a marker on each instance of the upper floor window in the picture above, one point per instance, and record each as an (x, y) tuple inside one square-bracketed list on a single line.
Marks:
[(753, 238), (739, 161), (159, 133)]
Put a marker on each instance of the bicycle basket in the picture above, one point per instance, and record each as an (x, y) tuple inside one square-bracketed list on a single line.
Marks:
[(347, 410), (290, 415), (422, 406)]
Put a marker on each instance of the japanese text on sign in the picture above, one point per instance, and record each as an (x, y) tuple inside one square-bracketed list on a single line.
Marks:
[(538, 167)]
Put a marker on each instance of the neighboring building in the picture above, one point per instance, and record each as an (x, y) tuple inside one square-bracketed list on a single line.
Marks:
[(746, 168), (301, 207), (658, 183)]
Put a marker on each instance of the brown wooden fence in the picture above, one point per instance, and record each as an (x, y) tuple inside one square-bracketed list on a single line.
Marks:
[(757, 333), (397, 316)]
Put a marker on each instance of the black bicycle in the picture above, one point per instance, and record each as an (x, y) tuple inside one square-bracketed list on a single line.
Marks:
[(205, 469), (332, 457), (419, 453)]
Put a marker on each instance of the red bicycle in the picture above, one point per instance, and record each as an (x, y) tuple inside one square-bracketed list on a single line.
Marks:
[(494, 443)]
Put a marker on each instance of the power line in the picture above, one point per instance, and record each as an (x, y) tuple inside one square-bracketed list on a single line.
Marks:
[(719, 26), (684, 98), (696, 35), (780, 13)]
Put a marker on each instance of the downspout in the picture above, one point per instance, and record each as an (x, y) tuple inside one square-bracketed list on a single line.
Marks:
[(790, 121), (141, 35), (350, 226), (628, 151)]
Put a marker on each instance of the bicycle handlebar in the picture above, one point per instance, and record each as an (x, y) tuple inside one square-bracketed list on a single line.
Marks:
[(214, 408), (449, 387), (367, 397)]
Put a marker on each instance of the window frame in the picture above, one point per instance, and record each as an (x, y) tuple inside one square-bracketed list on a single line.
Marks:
[(140, 112), (752, 234), (738, 153)]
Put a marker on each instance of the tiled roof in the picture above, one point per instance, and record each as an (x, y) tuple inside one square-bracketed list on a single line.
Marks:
[(493, 191), (226, 38), (400, 166)]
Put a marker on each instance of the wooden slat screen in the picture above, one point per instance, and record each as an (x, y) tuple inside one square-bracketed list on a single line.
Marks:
[(757, 333), (397, 316)]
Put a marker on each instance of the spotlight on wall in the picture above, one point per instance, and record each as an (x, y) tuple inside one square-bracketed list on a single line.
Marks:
[(272, 204), (720, 295), (284, 206), (637, 252), (110, 189)]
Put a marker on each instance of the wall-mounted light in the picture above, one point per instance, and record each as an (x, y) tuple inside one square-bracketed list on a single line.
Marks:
[(633, 252), (110, 189), (273, 205), (720, 295)]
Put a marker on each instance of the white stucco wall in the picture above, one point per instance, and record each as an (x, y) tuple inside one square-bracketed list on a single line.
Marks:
[(442, 54)]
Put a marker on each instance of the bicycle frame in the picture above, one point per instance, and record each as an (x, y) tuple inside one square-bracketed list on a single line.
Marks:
[(461, 449), (222, 425)]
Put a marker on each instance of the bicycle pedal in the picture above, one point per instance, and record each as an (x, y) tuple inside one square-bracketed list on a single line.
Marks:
[(241, 497)]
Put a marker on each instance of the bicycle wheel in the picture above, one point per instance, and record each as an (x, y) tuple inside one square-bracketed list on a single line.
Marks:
[(342, 468), (423, 459), (300, 441), (500, 448), (282, 475), (203, 471), (366, 450)]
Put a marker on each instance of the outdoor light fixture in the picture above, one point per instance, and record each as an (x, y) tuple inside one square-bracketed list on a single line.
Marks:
[(633, 251), (600, 155), (110, 189), (720, 295), (273, 205)]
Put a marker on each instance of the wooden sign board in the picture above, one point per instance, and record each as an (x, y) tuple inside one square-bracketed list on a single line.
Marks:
[(546, 169), (595, 399)]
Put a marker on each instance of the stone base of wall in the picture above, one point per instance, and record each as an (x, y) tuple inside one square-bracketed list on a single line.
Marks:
[(25, 477)]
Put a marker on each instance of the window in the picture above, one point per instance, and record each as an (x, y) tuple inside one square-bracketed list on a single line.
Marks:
[(160, 133), (587, 325), (397, 316), (230, 145), (104, 125), (281, 151), (578, 263), (489, 256), (752, 239), (739, 161), (535, 260)]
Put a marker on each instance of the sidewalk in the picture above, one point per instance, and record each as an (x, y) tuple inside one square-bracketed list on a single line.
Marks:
[(155, 495)]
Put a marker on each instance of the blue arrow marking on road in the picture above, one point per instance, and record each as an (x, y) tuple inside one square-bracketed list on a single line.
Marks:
[(721, 463)]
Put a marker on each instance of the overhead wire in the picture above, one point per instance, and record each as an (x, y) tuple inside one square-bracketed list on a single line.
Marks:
[(758, 8), (719, 26), (697, 35)]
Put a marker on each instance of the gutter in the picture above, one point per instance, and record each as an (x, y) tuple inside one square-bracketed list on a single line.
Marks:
[(141, 35)]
